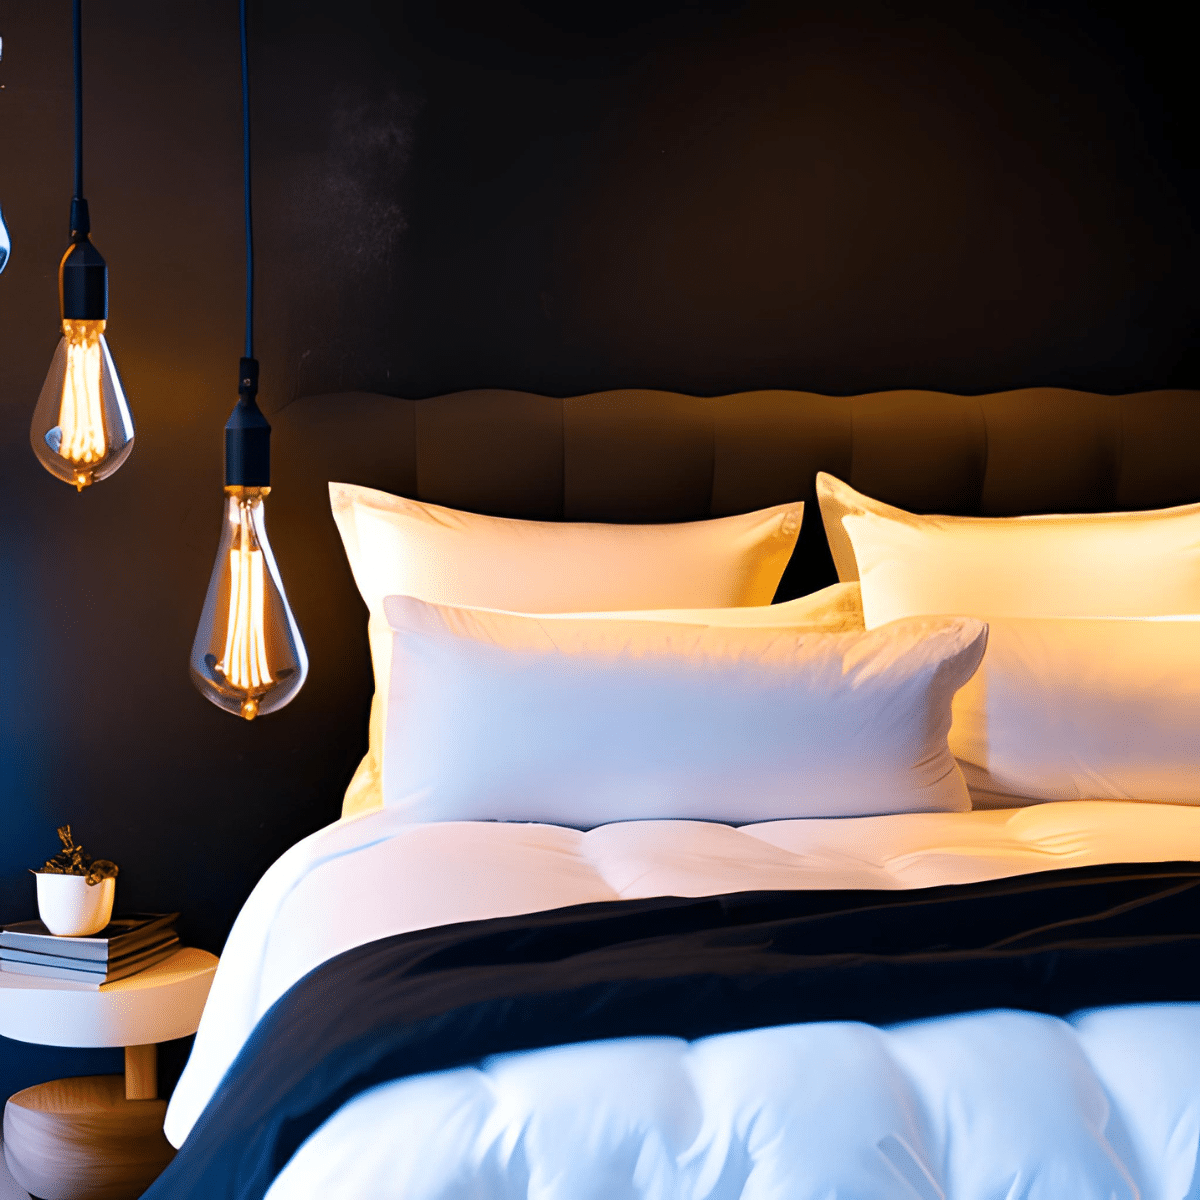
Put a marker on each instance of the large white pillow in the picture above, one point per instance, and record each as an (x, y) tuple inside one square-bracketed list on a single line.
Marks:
[(401, 546), (1128, 564), (1067, 709), (505, 716)]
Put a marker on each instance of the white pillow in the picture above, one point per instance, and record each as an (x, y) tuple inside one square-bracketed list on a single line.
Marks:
[(505, 716), (834, 609), (400, 546), (1089, 565), (1083, 709)]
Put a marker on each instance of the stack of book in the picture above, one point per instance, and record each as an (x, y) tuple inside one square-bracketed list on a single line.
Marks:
[(124, 947)]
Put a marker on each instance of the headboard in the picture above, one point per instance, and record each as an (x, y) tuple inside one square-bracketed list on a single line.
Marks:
[(649, 456)]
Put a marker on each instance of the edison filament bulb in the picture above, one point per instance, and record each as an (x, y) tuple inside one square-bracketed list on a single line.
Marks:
[(248, 657), (82, 431)]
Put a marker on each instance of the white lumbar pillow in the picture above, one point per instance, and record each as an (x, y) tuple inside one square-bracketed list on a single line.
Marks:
[(1066, 709), (1128, 564), (400, 546), (504, 716)]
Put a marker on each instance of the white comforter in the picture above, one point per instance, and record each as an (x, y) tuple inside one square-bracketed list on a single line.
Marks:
[(986, 1105)]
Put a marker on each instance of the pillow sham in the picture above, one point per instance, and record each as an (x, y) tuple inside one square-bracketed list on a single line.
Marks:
[(401, 546), (1127, 564), (1067, 709), (579, 722)]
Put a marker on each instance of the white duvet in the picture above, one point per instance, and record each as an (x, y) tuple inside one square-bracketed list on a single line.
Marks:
[(987, 1105)]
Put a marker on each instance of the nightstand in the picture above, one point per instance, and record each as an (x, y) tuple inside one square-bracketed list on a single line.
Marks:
[(98, 1135)]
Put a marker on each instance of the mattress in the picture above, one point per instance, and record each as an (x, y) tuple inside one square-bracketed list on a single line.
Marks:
[(370, 877)]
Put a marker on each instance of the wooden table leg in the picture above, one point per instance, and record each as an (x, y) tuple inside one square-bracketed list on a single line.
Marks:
[(80, 1139), (141, 1072)]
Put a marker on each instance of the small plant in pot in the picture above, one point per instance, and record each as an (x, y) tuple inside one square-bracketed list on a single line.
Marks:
[(75, 892)]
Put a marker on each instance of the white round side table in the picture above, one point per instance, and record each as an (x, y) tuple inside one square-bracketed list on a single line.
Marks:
[(98, 1137)]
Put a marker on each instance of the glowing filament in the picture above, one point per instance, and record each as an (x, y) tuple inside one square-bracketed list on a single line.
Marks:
[(81, 414), (244, 663)]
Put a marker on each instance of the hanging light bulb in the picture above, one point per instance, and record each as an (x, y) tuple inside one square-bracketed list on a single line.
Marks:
[(5, 243), (82, 431), (248, 657)]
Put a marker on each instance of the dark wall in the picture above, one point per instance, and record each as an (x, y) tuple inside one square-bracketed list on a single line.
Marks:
[(703, 197)]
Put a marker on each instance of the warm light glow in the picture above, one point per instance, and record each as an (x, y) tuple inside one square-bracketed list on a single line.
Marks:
[(81, 413), (81, 430), (247, 657), (244, 662)]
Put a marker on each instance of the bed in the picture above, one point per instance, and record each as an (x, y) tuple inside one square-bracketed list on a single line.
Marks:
[(993, 997)]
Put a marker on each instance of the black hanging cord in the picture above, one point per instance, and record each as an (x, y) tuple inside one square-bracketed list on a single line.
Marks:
[(246, 187), (82, 274), (78, 100), (247, 432), (80, 224)]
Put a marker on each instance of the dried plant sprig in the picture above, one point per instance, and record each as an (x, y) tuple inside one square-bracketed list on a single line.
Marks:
[(101, 868), (73, 860)]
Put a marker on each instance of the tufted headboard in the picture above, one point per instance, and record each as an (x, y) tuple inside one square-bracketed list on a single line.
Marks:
[(648, 456)]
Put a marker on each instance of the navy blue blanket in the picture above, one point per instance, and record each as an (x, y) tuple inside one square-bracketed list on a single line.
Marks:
[(445, 997)]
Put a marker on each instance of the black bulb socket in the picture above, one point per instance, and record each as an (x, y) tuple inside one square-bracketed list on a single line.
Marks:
[(83, 273), (247, 434), (83, 282)]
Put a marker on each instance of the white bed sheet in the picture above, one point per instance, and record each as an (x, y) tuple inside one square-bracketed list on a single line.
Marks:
[(371, 876)]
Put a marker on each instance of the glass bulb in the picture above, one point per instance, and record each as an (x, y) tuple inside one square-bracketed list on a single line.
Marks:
[(5, 243), (248, 657), (82, 431)]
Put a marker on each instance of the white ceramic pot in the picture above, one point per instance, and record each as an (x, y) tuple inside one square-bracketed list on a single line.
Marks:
[(70, 907)]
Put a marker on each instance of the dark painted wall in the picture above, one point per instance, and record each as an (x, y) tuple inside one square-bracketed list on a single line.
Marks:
[(559, 197)]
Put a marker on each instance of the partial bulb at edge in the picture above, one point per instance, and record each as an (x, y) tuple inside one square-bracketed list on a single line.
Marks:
[(82, 431), (5, 243), (248, 657)]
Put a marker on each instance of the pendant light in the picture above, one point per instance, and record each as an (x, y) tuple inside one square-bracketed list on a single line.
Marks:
[(5, 243), (248, 657), (82, 431)]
